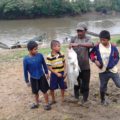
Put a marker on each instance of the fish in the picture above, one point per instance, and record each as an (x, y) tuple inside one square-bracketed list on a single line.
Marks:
[(73, 68)]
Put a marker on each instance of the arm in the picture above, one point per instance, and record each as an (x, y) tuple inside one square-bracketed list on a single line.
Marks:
[(116, 56), (44, 65), (92, 55), (25, 69), (88, 44), (49, 64), (116, 59), (65, 70), (93, 58), (56, 73)]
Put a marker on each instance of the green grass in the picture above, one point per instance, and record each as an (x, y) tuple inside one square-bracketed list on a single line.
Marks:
[(19, 54), (116, 39)]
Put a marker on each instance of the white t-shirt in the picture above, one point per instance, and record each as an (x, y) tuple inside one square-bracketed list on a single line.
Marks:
[(105, 54)]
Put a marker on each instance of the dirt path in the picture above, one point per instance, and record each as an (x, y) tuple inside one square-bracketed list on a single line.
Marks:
[(16, 98)]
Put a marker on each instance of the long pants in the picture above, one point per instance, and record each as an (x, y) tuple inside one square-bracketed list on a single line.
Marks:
[(104, 78), (83, 85)]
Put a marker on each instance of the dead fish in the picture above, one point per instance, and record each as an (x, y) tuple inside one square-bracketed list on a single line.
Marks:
[(72, 68)]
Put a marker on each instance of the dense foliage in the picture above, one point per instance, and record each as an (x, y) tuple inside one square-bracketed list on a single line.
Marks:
[(16, 9), (11, 9), (107, 4)]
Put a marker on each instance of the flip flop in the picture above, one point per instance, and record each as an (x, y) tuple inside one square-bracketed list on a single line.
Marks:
[(52, 103), (47, 107), (34, 106)]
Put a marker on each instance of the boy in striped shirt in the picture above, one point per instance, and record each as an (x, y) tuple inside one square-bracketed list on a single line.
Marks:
[(56, 64)]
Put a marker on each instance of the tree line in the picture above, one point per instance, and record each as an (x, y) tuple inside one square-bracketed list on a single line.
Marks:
[(107, 4), (19, 9), (12, 9)]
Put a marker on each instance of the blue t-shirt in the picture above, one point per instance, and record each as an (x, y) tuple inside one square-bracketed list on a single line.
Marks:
[(34, 65)]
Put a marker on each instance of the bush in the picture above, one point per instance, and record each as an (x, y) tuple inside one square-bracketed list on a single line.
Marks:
[(11, 9), (107, 4)]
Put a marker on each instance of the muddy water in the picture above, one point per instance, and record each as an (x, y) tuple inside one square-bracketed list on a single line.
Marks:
[(55, 28)]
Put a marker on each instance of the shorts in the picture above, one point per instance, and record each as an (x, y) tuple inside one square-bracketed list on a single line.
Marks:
[(57, 82), (39, 84)]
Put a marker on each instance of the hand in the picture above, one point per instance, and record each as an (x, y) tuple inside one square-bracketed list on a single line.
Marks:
[(73, 45), (47, 76), (28, 84), (59, 74), (97, 63)]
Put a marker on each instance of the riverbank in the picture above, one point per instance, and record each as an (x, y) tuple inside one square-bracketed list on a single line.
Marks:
[(15, 54), (16, 97)]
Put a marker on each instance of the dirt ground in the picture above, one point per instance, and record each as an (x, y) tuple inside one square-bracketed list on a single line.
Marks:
[(16, 98)]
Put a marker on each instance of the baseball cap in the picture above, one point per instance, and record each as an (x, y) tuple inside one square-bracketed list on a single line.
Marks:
[(81, 27)]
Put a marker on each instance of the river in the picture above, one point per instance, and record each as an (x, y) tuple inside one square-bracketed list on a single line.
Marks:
[(55, 28)]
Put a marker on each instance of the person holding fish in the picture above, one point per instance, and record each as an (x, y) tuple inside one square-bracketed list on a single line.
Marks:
[(81, 44)]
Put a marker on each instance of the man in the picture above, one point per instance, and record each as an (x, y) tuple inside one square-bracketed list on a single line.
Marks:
[(81, 44)]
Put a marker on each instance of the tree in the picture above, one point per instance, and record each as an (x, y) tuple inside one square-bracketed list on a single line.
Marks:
[(11, 9)]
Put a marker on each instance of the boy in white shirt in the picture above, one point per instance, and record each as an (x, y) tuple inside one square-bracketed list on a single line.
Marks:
[(106, 57)]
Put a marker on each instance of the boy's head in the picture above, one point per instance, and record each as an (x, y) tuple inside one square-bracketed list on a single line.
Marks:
[(55, 45), (104, 37), (32, 47)]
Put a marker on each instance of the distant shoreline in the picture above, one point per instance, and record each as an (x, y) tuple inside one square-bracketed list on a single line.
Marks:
[(86, 14)]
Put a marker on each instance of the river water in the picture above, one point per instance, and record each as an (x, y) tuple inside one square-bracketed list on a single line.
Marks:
[(55, 28)]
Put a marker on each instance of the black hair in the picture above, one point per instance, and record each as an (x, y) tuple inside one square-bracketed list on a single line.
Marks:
[(31, 45), (54, 42), (104, 34)]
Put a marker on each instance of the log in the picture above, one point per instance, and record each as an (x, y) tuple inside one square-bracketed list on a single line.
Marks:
[(93, 34)]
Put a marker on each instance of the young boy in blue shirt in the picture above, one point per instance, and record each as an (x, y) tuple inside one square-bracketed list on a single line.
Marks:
[(35, 65), (106, 57)]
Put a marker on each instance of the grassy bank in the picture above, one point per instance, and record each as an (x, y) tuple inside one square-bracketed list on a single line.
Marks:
[(116, 39), (16, 54)]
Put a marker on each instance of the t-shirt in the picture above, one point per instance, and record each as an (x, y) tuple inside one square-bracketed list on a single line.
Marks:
[(82, 52), (56, 61), (34, 66), (105, 55)]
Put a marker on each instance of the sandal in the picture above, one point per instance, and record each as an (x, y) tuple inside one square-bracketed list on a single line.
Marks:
[(34, 106), (52, 103), (47, 107)]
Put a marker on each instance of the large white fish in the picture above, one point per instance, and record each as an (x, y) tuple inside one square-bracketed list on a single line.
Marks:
[(72, 68)]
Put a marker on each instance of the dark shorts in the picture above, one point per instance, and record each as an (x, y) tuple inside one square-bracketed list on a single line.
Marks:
[(39, 84), (56, 82)]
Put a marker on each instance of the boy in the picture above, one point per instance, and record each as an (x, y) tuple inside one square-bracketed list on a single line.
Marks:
[(34, 64), (56, 64), (106, 57)]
